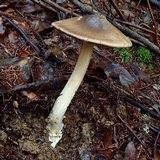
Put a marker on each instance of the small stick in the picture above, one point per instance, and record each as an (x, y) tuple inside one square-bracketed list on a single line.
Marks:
[(117, 9), (22, 32), (53, 4), (136, 26), (28, 86), (81, 6), (44, 5), (154, 22), (142, 107), (129, 128)]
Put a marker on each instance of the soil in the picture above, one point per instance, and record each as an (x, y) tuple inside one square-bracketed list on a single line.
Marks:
[(23, 132)]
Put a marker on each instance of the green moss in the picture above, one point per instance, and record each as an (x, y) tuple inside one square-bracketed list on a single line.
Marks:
[(124, 53), (150, 68), (144, 55), (115, 50)]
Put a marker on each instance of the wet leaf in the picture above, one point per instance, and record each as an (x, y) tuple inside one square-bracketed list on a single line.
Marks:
[(60, 1), (157, 108), (147, 17), (84, 154), (47, 73), (141, 75), (25, 67), (130, 151), (29, 8), (12, 37), (156, 86), (117, 71)]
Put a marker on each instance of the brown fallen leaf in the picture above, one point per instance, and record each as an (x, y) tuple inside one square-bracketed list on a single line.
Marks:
[(30, 95), (108, 143)]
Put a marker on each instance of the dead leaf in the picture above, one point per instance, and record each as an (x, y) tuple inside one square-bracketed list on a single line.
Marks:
[(20, 62), (141, 75), (157, 108), (22, 25), (30, 95), (147, 17), (130, 151), (156, 86), (29, 8), (12, 37), (108, 143), (117, 71), (127, 14)]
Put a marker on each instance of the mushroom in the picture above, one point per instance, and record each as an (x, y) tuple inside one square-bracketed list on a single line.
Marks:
[(92, 29)]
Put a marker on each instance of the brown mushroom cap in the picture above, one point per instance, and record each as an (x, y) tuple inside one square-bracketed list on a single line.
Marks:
[(95, 29)]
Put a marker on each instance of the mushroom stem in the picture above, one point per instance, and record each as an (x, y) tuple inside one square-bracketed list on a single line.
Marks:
[(56, 116)]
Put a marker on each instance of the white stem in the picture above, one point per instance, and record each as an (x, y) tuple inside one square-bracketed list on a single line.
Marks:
[(57, 114)]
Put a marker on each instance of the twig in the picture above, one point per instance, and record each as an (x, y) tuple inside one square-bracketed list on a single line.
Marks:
[(28, 86), (28, 22), (53, 4), (154, 22), (82, 7), (137, 37), (117, 9), (7, 15), (129, 128), (44, 5), (136, 26), (142, 107), (51, 83), (22, 32)]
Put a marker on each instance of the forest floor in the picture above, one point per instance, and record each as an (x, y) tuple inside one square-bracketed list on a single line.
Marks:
[(108, 118)]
